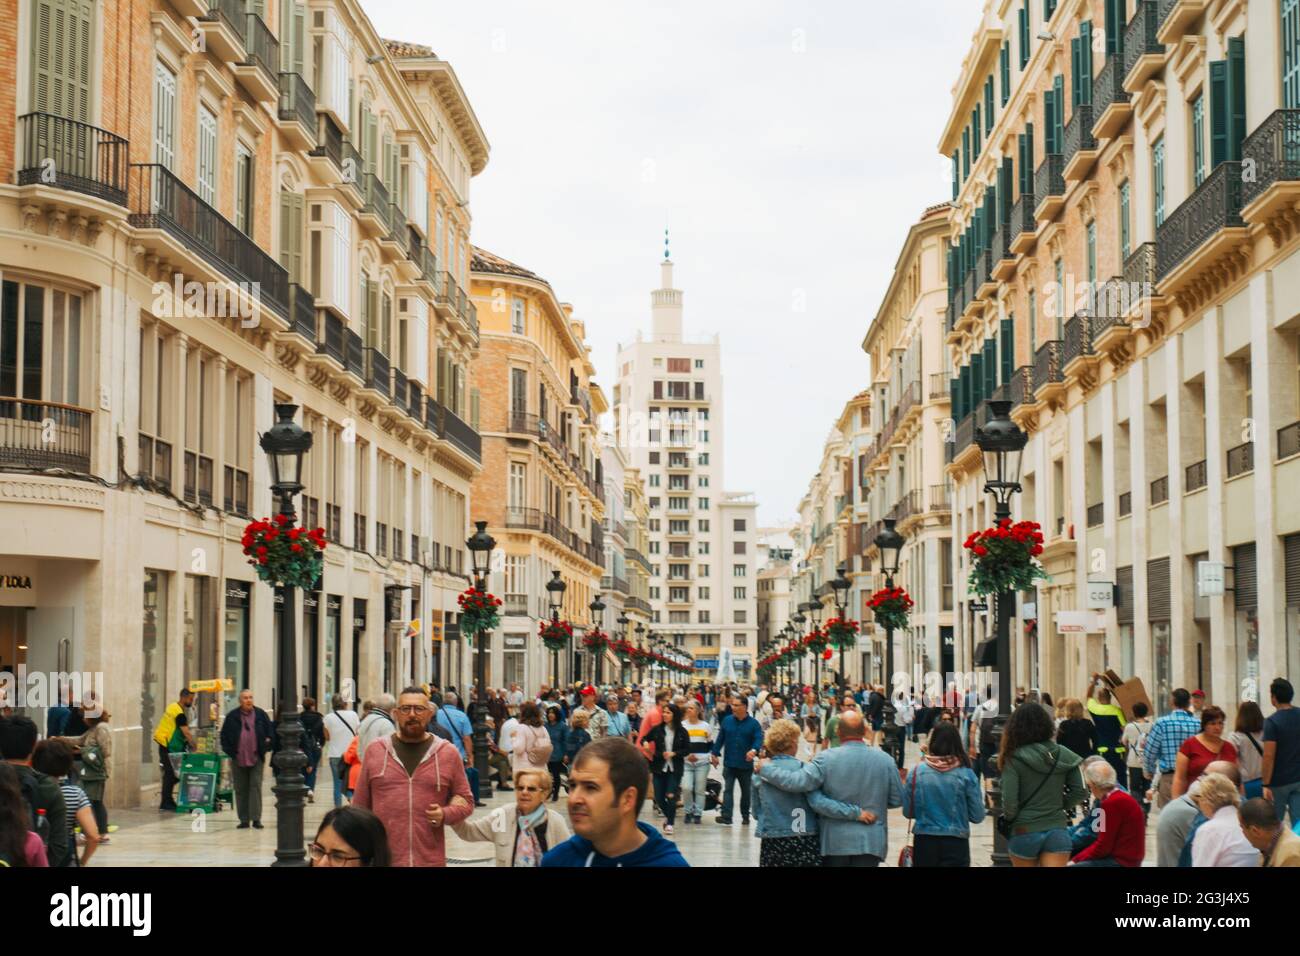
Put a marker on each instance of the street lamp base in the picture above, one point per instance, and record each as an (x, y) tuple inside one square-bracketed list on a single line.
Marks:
[(1000, 855)]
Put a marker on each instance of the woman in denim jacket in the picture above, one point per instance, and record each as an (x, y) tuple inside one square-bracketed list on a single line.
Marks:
[(943, 796), (787, 825)]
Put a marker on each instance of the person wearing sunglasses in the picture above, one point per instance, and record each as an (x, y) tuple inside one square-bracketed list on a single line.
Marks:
[(350, 836), (522, 833)]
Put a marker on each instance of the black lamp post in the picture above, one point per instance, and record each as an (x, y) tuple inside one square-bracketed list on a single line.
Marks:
[(480, 546), (623, 622), (1002, 444), (800, 619), (597, 609), (890, 544), (814, 611), (285, 443), (840, 585), (640, 646), (555, 589)]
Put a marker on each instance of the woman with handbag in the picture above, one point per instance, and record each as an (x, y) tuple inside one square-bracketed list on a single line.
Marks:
[(1041, 784), (1248, 738), (667, 746), (942, 797), (532, 744)]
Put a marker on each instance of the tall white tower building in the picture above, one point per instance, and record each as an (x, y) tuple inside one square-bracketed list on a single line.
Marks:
[(703, 542)]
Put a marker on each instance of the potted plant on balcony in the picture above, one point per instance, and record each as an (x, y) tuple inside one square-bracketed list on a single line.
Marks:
[(892, 608), (479, 611), (1002, 557), (283, 554), (842, 633)]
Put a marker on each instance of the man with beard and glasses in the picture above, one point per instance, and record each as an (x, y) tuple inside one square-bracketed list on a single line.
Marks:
[(415, 783)]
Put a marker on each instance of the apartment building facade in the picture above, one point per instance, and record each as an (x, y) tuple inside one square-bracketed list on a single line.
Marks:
[(1125, 273), (669, 420), (542, 488), (904, 466), (207, 209)]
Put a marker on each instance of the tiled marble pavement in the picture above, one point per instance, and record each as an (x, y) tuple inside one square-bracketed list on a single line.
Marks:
[(148, 838)]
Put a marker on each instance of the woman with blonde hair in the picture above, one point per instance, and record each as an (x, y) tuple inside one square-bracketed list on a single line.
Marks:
[(532, 744), (522, 832), (1077, 733), (787, 825), (1220, 840)]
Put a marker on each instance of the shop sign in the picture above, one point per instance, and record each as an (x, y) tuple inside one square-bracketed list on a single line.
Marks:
[(516, 640), (237, 594), (1209, 579), (15, 582), (1101, 594)]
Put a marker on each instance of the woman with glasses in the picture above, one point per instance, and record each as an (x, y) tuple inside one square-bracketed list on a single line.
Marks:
[(520, 834), (350, 836)]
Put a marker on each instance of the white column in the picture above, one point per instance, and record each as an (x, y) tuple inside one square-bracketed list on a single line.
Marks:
[(1076, 459), (1110, 511), (1222, 637), (1140, 489), (1272, 373)]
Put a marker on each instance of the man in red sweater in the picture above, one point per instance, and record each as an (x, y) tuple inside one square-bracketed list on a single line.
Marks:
[(1121, 825)]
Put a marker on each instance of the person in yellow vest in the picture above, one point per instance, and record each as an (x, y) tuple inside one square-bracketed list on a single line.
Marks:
[(173, 735), (1108, 718)]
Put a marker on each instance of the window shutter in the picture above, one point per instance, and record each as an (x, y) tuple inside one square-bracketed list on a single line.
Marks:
[(1218, 112), (1291, 551), (976, 131), (1236, 97), (1020, 161), (966, 403), (990, 367), (976, 379), (1085, 63), (286, 45), (473, 408), (965, 152), (1115, 26), (1246, 595), (1029, 158), (956, 175), (61, 58), (1076, 70), (954, 396), (1024, 35), (988, 105), (1058, 113), (291, 213), (1124, 606), (299, 34), (1158, 589), (1291, 54), (1008, 349), (1005, 191), (1005, 64), (1049, 126)]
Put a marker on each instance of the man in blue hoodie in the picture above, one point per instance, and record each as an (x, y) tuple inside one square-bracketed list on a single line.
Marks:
[(742, 738), (607, 788)]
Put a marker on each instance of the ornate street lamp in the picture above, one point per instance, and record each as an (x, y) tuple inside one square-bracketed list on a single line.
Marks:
[(1002, 444), (890, 544), (800, 619), (623, 622), (640, 646), (597, 609), (555, 589), (480, 545), (285, 443), (840, 585)]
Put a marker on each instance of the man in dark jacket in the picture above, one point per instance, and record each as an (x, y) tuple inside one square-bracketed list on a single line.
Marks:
[(742, 738), (17, 744), (246, 737)]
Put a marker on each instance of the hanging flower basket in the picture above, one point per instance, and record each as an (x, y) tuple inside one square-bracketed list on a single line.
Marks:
[(281, 553), (622, 649), (479, 612), (595, 640), (892, 608), (827, 654), (556, 635), (816, 641), (842, 634), (1002, 558)]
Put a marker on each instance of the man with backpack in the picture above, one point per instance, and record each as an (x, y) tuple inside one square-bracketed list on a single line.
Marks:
[(42, 793)]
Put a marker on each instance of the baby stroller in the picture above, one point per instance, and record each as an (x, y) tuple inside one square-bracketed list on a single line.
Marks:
[(713, 795)]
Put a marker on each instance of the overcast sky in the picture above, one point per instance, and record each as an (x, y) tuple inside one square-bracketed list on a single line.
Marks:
[(787, 145)]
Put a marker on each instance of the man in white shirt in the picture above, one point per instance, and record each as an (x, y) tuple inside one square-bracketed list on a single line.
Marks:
[(341, 725), (506, 739), (516, 696)]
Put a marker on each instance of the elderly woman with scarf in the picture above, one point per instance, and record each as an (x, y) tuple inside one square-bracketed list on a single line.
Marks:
[(942, 797), (522, 833)]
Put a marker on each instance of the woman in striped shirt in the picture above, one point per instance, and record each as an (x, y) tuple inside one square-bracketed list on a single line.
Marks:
[(54, 759)]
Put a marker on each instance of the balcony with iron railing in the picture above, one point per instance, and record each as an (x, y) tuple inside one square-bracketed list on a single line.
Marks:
[(1077, 342), (985, 284), (1107, 310), (1241, 459), (610, 582), (581, 397), (1160, 490), (1144, 54), (354, 355), (224, 28), (65, 154), (1288, 441), (329, 142), (1020, 387), (302, 313), (259, 71), (401, 391), (1048, 371), (1177, 15), (1197, 230), (1049, 187), (447, 294), (1273, 152), (970, 292), (297, 111), (377, 375), (375, 209), (333, 339), (457, 431), (1110, 101), (1096, 515), (1023, 226), (1195, 477), (37, 435), (1079, 146), (1125, 505), (941, 497), (1004, 260), (1140, 278), (161, 201), (397, 240), (939, 386)]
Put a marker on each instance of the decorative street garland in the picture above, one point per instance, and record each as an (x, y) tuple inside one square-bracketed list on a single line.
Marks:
[(556, 635), (478, 612), (892, 607), (842, 634), (281, 553), (623, 649), (1002, 558), (595, 640)]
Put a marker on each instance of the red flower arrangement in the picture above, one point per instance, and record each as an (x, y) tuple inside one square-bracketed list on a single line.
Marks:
[(595, 639), (816, 640), (1002, 557), (827, 654), (623, 649), (842, 633), (891, 606), (281, 553), (556, 635), (478, 611)]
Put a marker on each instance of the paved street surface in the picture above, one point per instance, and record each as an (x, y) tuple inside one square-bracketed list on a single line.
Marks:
[(149, 838)]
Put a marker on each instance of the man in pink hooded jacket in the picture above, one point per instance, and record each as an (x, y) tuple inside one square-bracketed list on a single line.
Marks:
[(415, 783)]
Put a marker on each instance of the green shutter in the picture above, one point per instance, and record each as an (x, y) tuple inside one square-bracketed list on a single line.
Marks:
[(1024, 35), (1008, 349), (1076, 70), (966, 404), (1058, 113), (1085, 63), (1291, 54), (1049, 124), (1237, 97), (988, 105), (1006, 72), (965, 152), (1005, 191), (298, 34), (1020, 161), (977, 379), (1115, 27), (956, 175), (61, 46), (1029, 157), (990, 367), (954, 397), (976, 131), (1218, 112)]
